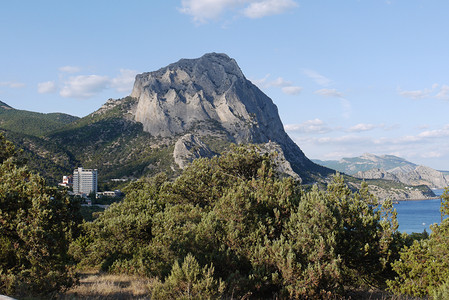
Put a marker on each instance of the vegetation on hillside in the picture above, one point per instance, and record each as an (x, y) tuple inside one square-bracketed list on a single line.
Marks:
[(37, 223), (231, 225), (228, 226), (32, 123)]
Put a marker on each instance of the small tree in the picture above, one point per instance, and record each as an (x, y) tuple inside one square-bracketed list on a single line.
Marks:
[(423, 267)]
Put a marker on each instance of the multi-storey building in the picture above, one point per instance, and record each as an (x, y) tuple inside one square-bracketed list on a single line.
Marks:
[(84, 181)]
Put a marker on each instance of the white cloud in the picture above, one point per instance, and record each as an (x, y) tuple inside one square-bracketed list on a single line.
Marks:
[(292, 90), (46, 87), (310, 126), (329, 93), (264, 8), (261, 83), (87, 86), (417, 94), (427, 147), (438, 133), (12, 84), (84, 86), (432, 154), (318, 78), (203, 11), (124, 82), (280, 82), (443, 94), (286, 86), (362, 127), (70, 69)]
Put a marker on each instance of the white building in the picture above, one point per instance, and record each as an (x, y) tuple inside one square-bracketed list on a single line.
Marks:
[(84, 181)]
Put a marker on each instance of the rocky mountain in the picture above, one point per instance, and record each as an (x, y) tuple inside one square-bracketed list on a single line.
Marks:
[(366, 162), (195, 100), (389, 167), (189, 109)]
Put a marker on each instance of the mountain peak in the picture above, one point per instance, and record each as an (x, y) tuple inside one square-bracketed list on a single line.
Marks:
[(209, 89)]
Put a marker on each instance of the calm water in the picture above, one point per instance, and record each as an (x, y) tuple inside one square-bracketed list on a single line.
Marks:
[(415, 216)]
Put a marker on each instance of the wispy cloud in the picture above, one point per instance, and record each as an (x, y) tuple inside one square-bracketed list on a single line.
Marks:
[(317, 77), (286, 86), (329, 93), (46, 87), (417, 94), (70, 69), (291, 90), (124, 82), (310, 126), (436, 92), (363, 127), (333, 93), (335, 144), (203, 11), (12, 84), (443, 94), (259, 9)]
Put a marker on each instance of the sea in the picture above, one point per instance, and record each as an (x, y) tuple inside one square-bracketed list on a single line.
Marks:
[(418, 215)]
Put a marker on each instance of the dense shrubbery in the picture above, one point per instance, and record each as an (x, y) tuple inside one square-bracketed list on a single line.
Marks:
[(423, 268), (36, 226), (261, 234), (229, 226)]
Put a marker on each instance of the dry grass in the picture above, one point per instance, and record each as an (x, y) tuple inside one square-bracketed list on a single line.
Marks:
[(94, 285), (105, 286)]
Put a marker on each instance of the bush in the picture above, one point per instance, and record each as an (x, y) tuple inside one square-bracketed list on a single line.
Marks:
[(424, 266), (262, 233), (188, 281), (37, 223)]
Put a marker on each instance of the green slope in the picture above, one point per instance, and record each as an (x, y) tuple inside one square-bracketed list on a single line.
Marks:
[(32, 123)]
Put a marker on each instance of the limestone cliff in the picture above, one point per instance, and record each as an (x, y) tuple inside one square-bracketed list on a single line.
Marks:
[(210, 96)]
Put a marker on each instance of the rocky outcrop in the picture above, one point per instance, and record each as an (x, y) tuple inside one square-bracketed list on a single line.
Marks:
[(211, 94), (419, 175), (376, 174), (211, 89), (188, 148), (423, 175)]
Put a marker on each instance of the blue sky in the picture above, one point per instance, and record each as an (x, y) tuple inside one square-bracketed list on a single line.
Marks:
[(347, 76)]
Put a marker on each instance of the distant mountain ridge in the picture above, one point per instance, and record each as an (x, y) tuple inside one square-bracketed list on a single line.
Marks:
[(389, 167)]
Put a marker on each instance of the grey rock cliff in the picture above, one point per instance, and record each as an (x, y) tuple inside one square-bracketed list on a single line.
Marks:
[(210, 94), (376, 174), (188, 148), (208, 90)]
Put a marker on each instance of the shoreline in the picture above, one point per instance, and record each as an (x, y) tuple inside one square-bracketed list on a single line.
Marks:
[(431, 198)]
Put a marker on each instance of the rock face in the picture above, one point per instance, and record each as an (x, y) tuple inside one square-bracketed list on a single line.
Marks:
[(389, 167), (423, 175), (197, 97), (420, 175), (209, 90), (188, 148), (377, 174)]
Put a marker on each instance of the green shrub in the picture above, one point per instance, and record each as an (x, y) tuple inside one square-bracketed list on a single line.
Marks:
[(188, 281), (424, 266), (37, 223)]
